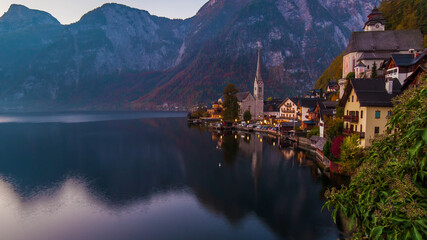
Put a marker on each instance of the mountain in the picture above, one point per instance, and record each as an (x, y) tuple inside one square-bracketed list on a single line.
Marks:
[(117, 57)]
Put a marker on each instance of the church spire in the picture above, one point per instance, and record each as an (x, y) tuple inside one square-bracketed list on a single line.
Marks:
[(258, 77)]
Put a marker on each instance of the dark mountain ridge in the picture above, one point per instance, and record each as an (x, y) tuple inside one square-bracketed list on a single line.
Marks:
[(117, 57)]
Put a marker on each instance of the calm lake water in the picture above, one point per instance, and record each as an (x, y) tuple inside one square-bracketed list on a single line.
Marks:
[(128, 176)]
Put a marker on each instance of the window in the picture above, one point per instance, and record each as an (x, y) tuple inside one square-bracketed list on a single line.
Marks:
[(361, 129), (389, 114), (377, 114), (361, 114), (347, 112), (377, 130), (355, 128), (352, 98)]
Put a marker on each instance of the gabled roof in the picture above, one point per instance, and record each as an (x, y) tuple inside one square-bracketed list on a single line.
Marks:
[(419, 70), (273, 105), (310, 102), (371, 92), (330, 104), (360, 64), (294, 100), (242, 96), (404, 60), (327, 108), (331, 84), (391, 41)]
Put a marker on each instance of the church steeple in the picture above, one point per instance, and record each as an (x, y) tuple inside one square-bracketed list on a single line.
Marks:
[(259, 83), (258, 76), (259, 88), (376, 21)]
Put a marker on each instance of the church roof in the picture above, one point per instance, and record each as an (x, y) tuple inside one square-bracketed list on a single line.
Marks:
[(375, 56), (371, 92), (391, 41), (242, 95)]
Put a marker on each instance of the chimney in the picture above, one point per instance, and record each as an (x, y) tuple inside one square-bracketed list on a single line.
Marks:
[(416, 55), (389, 85)]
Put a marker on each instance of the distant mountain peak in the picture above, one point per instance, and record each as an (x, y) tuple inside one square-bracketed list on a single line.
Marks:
[(19, 16)]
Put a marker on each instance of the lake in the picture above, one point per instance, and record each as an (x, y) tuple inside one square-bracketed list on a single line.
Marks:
[(90, 176)]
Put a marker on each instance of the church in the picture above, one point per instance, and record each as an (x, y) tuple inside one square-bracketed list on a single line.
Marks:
[(375, 45), (254, 103)]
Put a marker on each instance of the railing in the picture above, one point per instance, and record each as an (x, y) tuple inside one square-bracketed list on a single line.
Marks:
[(350, 118), (349, 132), (288, 111), (288, 117)]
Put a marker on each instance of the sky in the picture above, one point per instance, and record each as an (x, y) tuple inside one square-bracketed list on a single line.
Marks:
[(70, 11)]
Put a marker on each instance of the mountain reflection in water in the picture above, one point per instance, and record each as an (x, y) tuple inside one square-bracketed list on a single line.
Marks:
[(154, 179)]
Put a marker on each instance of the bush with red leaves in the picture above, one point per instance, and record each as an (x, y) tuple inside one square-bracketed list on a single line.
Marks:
[(336, 146)]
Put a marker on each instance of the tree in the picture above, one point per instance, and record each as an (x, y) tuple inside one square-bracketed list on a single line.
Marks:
[(200, 112), (230, 105), (247, 116), (327, 150), (351, 153), (340, 112), (387, 197), (350, 75), (333, 127), (315, 131), (374, 71)]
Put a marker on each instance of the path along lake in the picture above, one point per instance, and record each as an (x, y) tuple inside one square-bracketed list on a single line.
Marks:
[(149, 176)]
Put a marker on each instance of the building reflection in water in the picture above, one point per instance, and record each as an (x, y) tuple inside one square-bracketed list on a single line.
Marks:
[(149, 182)]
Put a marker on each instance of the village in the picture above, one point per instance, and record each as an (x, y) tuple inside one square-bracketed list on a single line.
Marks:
[(378, 65)]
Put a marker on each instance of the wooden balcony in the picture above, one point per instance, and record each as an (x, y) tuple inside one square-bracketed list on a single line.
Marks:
[(288, 111), (349, 132), (351, 119)]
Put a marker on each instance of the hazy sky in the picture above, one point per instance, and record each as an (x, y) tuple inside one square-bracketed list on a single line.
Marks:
[(69, 11)]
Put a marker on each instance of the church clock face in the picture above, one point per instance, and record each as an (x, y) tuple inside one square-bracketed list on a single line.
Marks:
[(377, 25)]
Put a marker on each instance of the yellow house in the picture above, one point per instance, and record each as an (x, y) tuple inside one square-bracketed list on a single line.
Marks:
[(367, 107)]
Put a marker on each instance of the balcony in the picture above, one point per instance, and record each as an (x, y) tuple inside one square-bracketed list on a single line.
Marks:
[(351, 118), (288, 111), (349, 132)]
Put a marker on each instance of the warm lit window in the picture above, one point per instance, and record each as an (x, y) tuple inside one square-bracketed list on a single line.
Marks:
[(377, 114)]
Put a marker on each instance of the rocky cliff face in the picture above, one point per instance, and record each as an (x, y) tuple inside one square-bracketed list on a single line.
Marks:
[(118, 57)]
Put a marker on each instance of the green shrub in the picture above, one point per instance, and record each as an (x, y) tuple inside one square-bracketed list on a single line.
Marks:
[(315, 131), (387, 197)]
